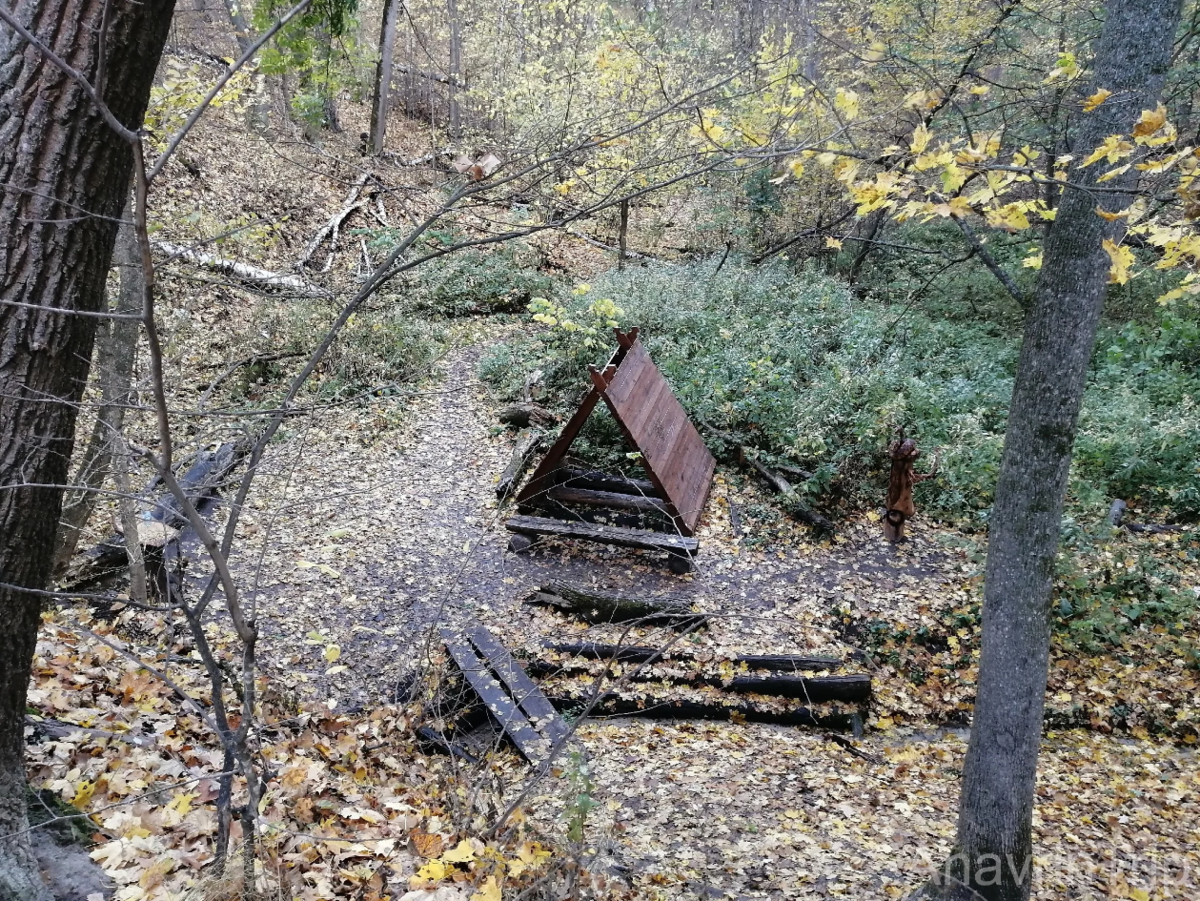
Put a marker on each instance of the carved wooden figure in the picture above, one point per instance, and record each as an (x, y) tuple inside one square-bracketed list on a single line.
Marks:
[(900, 508)]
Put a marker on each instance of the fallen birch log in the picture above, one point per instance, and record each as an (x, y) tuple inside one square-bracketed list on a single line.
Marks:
[(243, 272), (330, 228), (783, 487)]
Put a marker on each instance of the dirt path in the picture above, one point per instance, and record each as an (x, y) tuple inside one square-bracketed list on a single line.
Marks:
[(373, 524)]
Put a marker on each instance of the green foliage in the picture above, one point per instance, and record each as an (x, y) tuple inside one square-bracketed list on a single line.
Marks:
[(796, 366), (317, 45), (377, 347), (471, 282), (179, 93), (580, 802), (1107, 586)]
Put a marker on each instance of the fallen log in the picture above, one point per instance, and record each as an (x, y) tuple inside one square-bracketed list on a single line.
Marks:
[(593, 480), (640, 654), (590, 497), (813, 689), (528, 441), (604, 607), (783, 487), (330, 228), (200, 482), (251, 275), (524, 415), (665, 708), (680, 549)]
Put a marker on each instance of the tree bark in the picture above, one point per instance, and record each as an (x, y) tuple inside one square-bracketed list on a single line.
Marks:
[(65, 174), (993, 856), (383, 74)]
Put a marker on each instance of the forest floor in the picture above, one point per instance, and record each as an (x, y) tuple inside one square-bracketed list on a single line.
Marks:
[(373, 523), (378, 535)]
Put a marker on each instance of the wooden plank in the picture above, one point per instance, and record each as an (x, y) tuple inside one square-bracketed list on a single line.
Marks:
[(590, 498), (543, 476), (657, 425), (542, 715), (637, 538), (816, 688), (501, 706)]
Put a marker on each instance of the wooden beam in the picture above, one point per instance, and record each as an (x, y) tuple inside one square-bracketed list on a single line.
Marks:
[(589, 497), (635, 538)]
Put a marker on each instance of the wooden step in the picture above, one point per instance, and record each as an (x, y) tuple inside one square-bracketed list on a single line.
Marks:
[(517, 704), (586, 531)]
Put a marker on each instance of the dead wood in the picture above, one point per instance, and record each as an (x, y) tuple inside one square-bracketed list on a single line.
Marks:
[(331, 227), (640, 654), (252, 276), (783, 487), (528, 441), (664, 708), (524, 415), (201, 480), (779, 685), (603, 607)]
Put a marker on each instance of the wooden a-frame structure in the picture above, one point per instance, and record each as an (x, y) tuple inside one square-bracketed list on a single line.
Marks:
[(677, 462)]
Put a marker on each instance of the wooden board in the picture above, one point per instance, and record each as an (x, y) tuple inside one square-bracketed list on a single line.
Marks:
[(541, 713), (638, 538), (512, 720), (674, 454)]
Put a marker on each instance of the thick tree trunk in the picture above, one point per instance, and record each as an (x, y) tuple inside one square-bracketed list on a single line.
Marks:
[(58, 159), (383, 74), (993, 856)]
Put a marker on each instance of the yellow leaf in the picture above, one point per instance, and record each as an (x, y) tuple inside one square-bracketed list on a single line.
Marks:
[(432, 871), (460, 853), (1111, 217), (1139, 894), (920, 139), (1096, 99), (796, 167), (183, 802), (332, 652), (1151, 121), (489, 891), (877, 51), (847, 102), (980, 89), (1113, 173), (1032, 262), (1122, 259), (1113, 148), (83, 794), (833, 243), (1010, 217)]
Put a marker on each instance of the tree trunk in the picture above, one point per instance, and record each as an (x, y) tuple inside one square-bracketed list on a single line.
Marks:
[(455, 68), (383, 74), (115, 354), (57, 157), (993, 856)]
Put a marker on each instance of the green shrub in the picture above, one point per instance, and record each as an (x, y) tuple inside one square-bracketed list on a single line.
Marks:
[(796, 366), (471, 281), (375, 348)]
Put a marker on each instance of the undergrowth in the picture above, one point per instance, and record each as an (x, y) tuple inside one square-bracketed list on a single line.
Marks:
[(797, 367)]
